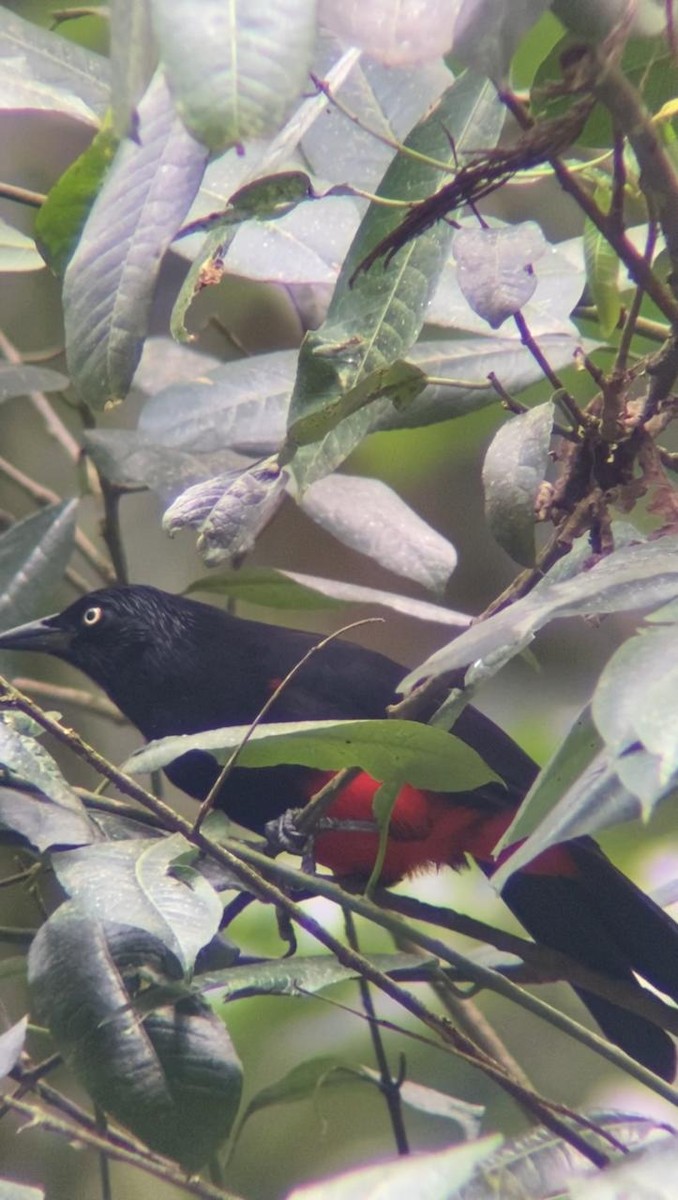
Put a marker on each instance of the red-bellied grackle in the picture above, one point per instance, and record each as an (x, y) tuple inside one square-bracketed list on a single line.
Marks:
[(173, 665)]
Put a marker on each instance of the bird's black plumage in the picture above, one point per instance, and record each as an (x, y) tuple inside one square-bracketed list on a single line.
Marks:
[(174, 665)]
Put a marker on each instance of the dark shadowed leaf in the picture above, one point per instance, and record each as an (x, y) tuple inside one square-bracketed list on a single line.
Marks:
[(276, 588), (514, 468), (42, 71), (11, 1046), (495, 268), (434, 1176), (172, 1077), (25, 761), (636, 576), (42, 822), (109, 283), (374, 319), (133, 882), (20, 380), (370, 517), (229, 511), (235, 72), (400, 750), (33, 557)]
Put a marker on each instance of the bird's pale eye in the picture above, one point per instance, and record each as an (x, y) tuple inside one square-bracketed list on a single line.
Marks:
[(92, 615)]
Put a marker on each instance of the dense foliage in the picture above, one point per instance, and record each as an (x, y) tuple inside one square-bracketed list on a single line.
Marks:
[(275, 234)]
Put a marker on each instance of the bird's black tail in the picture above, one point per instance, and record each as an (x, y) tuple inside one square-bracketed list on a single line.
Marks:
[(600, 918)]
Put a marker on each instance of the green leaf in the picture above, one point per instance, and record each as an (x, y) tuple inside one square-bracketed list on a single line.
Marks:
[(401, 750), (33, 557), (602, 272), (300, 976), (572, 757), (172, 1078), (375, 317), (275, 588), (18, 252), (62, 217), (262, 200), (634, 576), (402, 382), (110, 279), (514, 468), (132, 881), (234, 72)]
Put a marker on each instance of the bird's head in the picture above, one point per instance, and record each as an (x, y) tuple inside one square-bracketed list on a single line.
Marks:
[(103, 632)]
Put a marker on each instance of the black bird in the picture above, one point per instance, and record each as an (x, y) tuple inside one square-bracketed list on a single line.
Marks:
[(174, 665)]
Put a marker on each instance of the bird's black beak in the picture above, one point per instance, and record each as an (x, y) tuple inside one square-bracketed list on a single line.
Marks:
[(44, 636)]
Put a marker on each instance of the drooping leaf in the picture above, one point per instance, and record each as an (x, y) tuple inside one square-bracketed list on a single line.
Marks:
[(109, 282), (173, 1077), (229, 511), (640, 575), (560, 281), (61, 219), (132, 882), (495, 268), (570, 760), (374, 319), (33, 556), (370, 517), (133, 58), (514, 468), (275, 588), (234, 72), (602, 273), (401, 750)]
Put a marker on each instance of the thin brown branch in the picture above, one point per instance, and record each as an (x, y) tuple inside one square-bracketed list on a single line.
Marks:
[(22, 195), (55, 693)]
